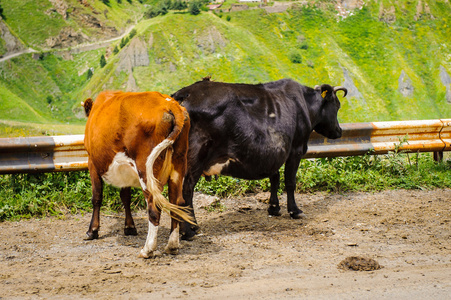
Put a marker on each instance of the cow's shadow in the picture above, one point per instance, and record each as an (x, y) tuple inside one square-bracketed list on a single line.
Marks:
[(215, 225)]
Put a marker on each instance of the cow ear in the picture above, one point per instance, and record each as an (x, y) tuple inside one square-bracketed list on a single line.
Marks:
[(326, 92)]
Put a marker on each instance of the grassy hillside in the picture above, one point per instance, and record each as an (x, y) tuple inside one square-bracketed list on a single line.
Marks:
[(368, 50), (255, 46), (34, 21)]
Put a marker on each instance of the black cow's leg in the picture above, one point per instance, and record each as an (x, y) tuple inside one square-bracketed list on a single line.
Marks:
[(274, 208), (126, 197), (97, 195), (291, 167), (188, 230)]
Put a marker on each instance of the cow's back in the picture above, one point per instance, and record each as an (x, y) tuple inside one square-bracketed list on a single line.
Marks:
[(250, 128), (120, 121)]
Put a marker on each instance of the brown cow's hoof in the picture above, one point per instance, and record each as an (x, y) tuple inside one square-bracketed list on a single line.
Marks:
[(130, 231), (151, 254), (297, 215), (92, 235), (172, 251)]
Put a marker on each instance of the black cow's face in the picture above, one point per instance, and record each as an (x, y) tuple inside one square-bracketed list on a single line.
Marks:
[(328, 121)]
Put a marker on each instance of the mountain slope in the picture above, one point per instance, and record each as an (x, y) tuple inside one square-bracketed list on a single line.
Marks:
[(393, 56)]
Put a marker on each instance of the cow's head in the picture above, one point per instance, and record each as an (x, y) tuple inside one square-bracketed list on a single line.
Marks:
[(327, 122)]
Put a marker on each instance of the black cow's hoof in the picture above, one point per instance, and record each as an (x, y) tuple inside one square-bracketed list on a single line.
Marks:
[(274, 211), (130, 231), (188, 235), (297, 215), (188, 231), (92, 235)]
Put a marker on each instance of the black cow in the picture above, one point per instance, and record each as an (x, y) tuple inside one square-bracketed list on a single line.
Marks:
[(250, 131)]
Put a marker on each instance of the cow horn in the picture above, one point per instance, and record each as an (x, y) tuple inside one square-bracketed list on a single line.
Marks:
[(341, 88)]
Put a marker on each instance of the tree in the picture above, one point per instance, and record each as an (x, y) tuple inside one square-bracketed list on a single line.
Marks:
[(102, 61), (132, 33), (115, 50), (194, 8), (179, 5), (124, 42), (89, 75)]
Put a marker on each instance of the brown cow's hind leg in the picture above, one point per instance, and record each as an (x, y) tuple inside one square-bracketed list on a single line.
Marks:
[(175, 197), (97, 195), (129, 228), (154, 213)]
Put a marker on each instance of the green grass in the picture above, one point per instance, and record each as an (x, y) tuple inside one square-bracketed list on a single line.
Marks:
[(13, 107), (18, 129), (40, 195)]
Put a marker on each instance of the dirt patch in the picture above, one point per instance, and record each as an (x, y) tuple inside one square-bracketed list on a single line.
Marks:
[(357, 263), (242, 253)]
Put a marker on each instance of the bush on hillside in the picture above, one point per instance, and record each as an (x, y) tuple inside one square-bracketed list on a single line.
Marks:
[(194, 8), (89, 74), (102, 61), (155, 11), (296, 58)]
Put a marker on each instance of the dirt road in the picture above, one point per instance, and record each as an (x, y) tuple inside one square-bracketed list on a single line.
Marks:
[(242, 253)]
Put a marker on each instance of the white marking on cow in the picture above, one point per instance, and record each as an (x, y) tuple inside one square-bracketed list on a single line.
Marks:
[(217, 168), (272, 115), (122, 172), (173, 243), (168, 99), (175, 177), (151, 242)]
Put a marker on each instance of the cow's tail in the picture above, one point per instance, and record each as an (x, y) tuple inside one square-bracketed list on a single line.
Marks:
[(153, 186), (87, 105)]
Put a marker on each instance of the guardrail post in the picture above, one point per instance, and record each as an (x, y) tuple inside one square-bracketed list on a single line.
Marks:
[(438, 156)]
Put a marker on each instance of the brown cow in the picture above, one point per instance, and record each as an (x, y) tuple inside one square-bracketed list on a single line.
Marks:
[(138, 140)]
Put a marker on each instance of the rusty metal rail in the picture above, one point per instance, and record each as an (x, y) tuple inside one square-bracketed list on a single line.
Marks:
[(67, 153)]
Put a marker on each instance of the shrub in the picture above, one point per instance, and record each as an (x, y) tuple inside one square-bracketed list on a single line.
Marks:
[(89, 74), (296, 57), (102, 61), (194, 7), (132, 33)]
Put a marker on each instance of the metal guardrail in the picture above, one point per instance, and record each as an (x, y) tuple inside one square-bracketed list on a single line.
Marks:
[(43, 154), (67, 153), (383, 137)]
